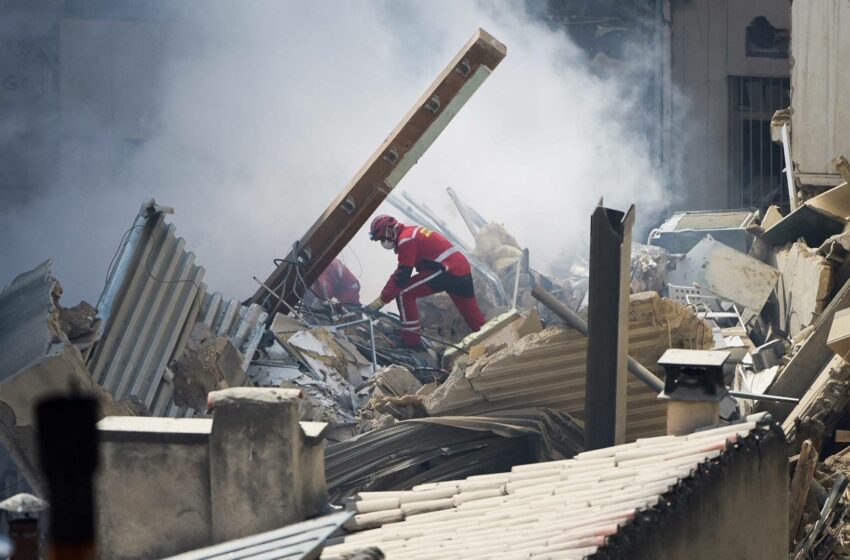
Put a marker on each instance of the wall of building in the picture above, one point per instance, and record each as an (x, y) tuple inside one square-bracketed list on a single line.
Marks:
[(820, 122), (707, 46), (737, 509)]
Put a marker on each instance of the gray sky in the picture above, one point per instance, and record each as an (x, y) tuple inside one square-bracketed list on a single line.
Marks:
[(261, 111)]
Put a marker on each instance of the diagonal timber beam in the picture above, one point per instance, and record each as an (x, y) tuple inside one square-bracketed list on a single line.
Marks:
[(381, 173)]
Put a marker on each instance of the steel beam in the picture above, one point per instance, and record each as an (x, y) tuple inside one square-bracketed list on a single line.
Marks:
[(382, 172), (607, 327)]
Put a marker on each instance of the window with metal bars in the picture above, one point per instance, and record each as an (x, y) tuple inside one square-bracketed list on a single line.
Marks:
[(755, 162)]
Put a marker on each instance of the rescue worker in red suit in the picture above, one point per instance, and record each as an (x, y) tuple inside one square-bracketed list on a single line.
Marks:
[(440, 267), (336, 281)]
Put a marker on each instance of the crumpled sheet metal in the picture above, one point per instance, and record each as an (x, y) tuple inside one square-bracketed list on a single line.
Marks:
[(432, 449)]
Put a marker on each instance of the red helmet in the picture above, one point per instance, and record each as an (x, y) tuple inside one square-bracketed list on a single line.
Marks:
[(380, 225)]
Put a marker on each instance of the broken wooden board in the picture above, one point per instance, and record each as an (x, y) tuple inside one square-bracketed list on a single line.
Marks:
[(726, 272), (381, 173), (804, 288)]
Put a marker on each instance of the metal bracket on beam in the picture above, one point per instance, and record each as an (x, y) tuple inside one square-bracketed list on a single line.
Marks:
[(348, 205), (433, 104)]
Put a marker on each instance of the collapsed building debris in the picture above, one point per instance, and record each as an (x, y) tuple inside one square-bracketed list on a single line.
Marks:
[(36, 359), (427, 444), (548, 368)]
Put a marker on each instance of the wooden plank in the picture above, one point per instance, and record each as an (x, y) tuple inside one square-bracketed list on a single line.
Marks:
[(382, 172), (800, 486)]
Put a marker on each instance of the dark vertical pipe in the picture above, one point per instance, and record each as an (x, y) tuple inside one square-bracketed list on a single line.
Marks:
[(607, 327), (67, 441)]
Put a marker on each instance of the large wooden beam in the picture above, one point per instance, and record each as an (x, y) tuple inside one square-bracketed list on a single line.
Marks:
[(381, 173)]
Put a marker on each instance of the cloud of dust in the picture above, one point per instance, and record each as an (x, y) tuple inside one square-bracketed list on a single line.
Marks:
[(255, 115)]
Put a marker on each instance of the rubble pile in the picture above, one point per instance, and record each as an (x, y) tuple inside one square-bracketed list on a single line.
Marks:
[(723, 359)]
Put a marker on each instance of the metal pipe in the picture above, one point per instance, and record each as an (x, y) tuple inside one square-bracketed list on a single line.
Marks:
[(789, 168), (774, 398), (281, 300), (461, 209), (372, 345), (516, 279)]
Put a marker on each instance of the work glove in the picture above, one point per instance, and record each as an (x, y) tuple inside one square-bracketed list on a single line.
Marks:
[(373, 307)]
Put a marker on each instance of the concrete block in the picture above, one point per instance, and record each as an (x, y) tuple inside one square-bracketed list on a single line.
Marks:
[(152, 489), (397, 381), (209, 363), (265, 476)]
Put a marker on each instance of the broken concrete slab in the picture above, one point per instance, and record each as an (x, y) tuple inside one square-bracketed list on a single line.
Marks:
[(726, 272), (209, 363), (804, 287), (396, 381), (548, 368)]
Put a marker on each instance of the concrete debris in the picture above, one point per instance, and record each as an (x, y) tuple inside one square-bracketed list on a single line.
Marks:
[(395, 381), (209, 363), (79, 323), (765, 286), (36, 359), (804, 287), (499, 332), (649, 269)]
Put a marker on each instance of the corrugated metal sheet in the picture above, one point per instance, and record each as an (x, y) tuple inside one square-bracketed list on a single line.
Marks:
[(548, 369), (820, 120), (301, 541), (434, 449), (153, 297)]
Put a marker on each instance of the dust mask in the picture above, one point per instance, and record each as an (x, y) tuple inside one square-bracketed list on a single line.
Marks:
[(387, 244)]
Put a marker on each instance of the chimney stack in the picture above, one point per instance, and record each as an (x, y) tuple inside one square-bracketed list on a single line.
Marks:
[(693, 387)]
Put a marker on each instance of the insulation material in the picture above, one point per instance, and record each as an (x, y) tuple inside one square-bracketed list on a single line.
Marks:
[(549, 368), (804, 288)]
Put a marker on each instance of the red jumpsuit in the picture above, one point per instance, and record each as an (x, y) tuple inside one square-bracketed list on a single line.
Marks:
[(336, 281), (441, 268)]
